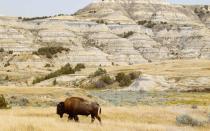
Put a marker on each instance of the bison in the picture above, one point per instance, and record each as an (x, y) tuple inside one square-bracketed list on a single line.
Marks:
[(75, 106)]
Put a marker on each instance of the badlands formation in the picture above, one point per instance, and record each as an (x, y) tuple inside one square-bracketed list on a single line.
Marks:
[(106, 32)]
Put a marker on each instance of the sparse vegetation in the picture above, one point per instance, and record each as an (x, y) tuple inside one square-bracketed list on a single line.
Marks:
[(135, 75), (202, 11), (54, 82), (120, 76), (148, 24), (123, 79), (6, 78), (3, 103), (126, 34), (106, 79), (188, 120), (126, 81), (7, 64), (67, 69), (99, 72), (101, 22), (33, 18), (50, 51), (10, 52), (1, 49), (142, 22), (79, 66), (47, 65)]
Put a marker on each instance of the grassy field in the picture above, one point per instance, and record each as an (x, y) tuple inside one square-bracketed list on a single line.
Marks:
[(121, 110), (139, 118), (178, 68)]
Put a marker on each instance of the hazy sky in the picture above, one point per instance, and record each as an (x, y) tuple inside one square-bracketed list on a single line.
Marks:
[(52, 7)]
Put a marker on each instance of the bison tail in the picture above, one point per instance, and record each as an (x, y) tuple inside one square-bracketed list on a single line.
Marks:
[(99, 110)]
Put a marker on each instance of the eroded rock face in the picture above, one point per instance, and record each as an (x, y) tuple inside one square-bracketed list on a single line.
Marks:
[(108, 31)]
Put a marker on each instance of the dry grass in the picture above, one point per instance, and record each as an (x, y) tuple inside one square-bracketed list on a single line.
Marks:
[(114, 118), (168, 68)]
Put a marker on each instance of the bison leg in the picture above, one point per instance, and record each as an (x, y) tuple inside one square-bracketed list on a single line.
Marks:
[(99, 118), (70, 117), (76, 118), (92, 118)]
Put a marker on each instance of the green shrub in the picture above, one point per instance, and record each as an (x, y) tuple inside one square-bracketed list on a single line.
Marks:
[(67, 69), (54, 82), (7, 78), (101, 22), (47, 65), (126, 81), (35, 18), (7, 64), (127, 34), (188, 120), (50, 51), (150, 24), (123, 79), (3, 103), (1, 49), (135, 75), (10, 52), (142, 22), (99, 72), (79, 66), (120, 76), (107, 79)]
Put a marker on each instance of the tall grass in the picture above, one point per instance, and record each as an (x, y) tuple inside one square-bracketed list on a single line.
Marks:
[(140, 118)]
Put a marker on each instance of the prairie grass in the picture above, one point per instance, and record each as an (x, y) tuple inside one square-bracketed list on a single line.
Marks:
[(139, 118)]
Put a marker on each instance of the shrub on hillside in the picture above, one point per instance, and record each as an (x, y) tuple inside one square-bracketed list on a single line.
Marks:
[(123, 79), (50, 51), (79, 66), (127, 34), (54, 82), (101, 22), (135, 75), (1, 49), (142, 22), (3, 103), (35, 18), (126, 81), (150, 24), (7, 64), (188, 120), (6, 78), (107, 79), (67, 69), (120, 76), (10, 52), (99, 72), (47, 65)]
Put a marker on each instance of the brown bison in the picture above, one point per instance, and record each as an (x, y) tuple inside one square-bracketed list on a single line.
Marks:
[(75, 106)]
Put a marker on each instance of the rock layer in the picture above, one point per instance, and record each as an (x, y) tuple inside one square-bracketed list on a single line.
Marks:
[(109, 32)]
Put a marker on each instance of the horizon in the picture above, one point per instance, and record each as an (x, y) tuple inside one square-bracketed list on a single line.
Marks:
[(32, 8)]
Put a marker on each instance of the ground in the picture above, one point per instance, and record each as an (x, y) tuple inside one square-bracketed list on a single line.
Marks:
[(34, 108), (127, 118)]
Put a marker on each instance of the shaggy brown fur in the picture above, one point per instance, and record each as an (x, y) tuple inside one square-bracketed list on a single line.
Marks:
[(75, 106)]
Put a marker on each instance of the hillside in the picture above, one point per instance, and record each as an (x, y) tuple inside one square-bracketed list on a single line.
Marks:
[(104, 33)]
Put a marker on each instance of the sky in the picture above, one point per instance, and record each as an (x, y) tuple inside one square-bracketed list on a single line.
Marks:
[(31, 8)]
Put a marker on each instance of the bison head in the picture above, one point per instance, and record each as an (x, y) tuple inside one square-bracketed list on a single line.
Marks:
[(60, 109)]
